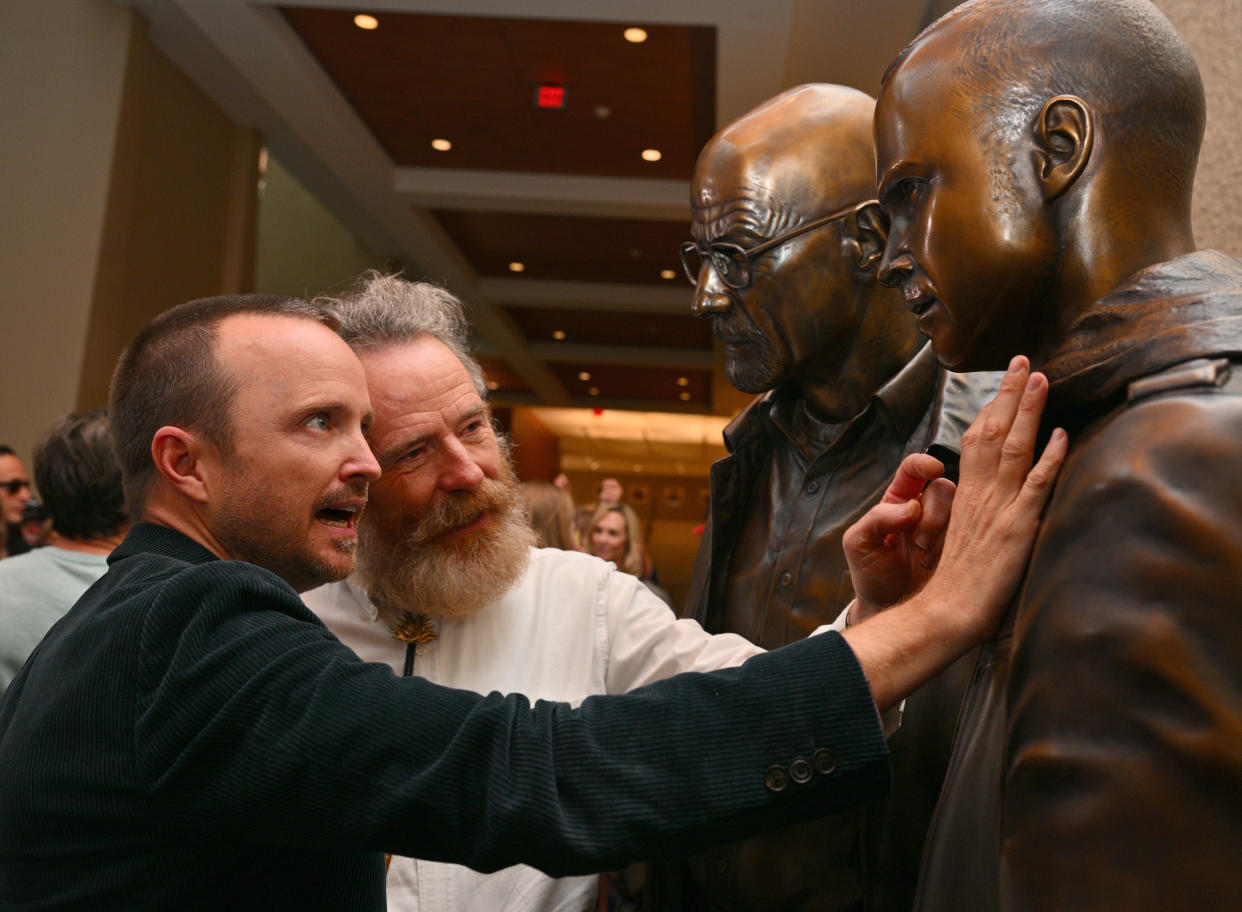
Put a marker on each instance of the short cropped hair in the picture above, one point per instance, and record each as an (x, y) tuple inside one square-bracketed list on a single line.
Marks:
[(385, 310), (169, 375), (1123, 57), (79, 477), (6, 450)]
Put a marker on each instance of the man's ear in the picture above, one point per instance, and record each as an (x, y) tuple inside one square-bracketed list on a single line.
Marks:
[(178, 456), (863, 241), (1064, 132)]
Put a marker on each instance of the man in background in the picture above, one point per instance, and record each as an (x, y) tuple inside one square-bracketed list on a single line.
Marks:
[(14, 494), (79, 479), (787, 242)]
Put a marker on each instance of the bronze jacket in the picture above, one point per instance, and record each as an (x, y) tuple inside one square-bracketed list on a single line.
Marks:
[(797, 580), (1097, 760)]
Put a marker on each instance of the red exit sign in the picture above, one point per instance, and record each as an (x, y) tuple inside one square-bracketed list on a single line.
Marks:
[(550, 96)]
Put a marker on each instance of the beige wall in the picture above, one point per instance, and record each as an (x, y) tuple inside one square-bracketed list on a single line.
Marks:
[(62, 66), (1213, 29), (181, 209)]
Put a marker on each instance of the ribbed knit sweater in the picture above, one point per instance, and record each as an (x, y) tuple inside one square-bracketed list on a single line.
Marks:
[(190, 736)]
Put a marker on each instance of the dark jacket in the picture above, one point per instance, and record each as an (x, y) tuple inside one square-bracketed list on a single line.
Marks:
[(861, 858), (1098, 758), (190, 736)]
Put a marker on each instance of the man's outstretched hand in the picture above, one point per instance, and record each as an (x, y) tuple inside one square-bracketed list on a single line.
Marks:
[(995, 514)]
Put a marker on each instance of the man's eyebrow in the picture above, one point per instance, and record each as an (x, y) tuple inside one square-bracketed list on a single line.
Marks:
[(403, 446)]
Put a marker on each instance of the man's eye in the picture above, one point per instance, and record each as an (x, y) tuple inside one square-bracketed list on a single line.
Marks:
[(318, 422)]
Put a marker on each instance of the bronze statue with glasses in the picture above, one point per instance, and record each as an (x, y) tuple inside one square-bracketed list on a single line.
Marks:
[(786, 242)]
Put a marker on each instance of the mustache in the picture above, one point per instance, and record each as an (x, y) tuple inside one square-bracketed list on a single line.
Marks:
[(354, 490), (459, 508)]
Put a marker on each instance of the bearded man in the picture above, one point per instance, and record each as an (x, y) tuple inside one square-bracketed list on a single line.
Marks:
[(449, 584)]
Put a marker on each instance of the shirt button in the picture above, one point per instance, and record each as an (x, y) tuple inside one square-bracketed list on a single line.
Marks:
[(824, 761), (786, 578), (812, 487), (800, 770), (775, 779)]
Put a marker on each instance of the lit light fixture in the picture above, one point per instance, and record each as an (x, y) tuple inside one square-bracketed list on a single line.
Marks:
[(635, 35), (584, 376), (685, 397), (493, 385), (515, 266), (667, 274), (558, 334), (363, 21), (441, 145), (593, 391), (652, 155), (683, 381), (638, 467)]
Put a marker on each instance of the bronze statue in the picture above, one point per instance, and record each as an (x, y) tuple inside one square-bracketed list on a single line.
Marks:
[(1037, 158), (787, 239)]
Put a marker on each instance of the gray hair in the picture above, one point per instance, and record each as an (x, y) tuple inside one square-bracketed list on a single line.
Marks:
[(386, 310)]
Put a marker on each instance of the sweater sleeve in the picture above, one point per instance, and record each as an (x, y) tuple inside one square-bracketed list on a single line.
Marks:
[(256, 723)]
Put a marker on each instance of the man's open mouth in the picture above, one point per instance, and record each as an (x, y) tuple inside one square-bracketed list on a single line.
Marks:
[(342, 517)]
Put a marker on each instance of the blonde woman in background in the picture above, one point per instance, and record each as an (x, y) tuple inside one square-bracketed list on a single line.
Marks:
[(617, 537)]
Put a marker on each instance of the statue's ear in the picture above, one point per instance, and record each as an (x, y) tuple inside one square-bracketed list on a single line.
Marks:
[(1064, 134), (864, 239)]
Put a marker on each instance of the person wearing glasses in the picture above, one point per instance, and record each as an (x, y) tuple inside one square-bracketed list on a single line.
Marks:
[(786, 239), (80, 482), (14, 492)]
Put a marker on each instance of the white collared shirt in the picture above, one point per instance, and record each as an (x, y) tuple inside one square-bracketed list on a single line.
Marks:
[(571, 627)]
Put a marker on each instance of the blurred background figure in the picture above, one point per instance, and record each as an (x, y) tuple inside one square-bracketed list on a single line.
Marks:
[(551, 512), (79, 479), (617, 536), (610, 492), (14, 492)]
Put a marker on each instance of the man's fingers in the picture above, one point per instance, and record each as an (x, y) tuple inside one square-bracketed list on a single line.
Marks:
[(937, 502), (915, 471), (1039, 481), (877, 524), (1018, 451), (982, 442)]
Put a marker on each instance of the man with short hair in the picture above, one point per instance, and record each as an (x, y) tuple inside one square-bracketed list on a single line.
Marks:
[(189, 735), (445, 551), (1038, 160), (787, 241), (14, 493), (80, 483)]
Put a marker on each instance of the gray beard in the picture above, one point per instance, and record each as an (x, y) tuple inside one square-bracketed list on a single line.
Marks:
[(427, 572)]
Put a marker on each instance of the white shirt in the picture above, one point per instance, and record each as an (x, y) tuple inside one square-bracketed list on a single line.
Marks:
[(571, 627)]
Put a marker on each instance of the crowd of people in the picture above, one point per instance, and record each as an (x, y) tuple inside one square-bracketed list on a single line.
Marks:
[(296, 636)]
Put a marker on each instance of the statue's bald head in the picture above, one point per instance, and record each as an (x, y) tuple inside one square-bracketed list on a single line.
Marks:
[(1122, 57), (809, 148)]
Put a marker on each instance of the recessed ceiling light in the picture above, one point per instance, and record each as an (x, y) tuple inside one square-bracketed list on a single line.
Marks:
[(558, 334), (667, 274), (493, 385), (638, 467), (685, 397), (635, 35), (441, 145), (363, 21), (593, 391), (652, 155), (683, 381), (515, 266), (584, 376)]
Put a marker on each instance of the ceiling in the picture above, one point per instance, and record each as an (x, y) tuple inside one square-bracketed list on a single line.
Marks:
[(598, 314)]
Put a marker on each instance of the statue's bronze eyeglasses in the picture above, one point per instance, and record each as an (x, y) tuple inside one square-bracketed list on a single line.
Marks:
[(732, 262)]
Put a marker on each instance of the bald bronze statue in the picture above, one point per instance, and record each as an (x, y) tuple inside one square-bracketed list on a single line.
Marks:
[(1037, 158), (787, 240)]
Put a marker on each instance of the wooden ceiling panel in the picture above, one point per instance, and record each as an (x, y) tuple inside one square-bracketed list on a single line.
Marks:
[(569, 247), (654, 384), (500, 376), (594, 327), (472, 80)]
